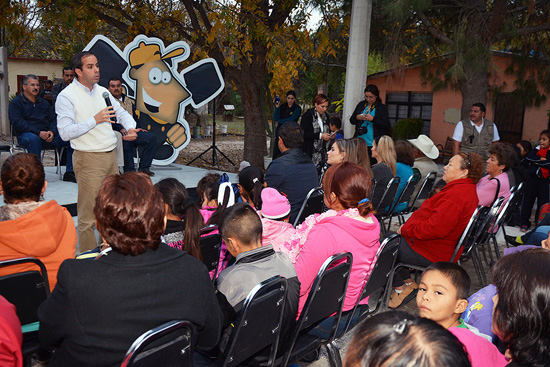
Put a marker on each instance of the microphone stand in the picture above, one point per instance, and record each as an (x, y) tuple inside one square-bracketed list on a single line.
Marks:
[(215, 149)]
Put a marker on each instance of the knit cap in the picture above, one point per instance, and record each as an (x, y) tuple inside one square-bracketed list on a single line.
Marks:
[(274, 204)]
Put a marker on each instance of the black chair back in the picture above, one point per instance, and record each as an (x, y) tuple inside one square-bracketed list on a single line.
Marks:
[(378, 280), (326, 297), (425, 188), (210, 248), (386, 202), (313, 203), (169, 345), (407, 193), (26, 290), (258, 324), (469, 232)]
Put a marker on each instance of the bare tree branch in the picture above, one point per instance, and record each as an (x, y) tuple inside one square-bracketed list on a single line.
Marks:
[(522, 32), (436, 33)]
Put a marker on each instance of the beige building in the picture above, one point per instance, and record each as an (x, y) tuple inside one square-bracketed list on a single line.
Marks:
[(18, 67)]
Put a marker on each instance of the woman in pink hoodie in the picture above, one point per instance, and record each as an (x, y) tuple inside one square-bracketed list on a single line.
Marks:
[(350, 225)]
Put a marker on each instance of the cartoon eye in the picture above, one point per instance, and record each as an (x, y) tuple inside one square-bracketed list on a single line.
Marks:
[(155, 75), (166, 77)]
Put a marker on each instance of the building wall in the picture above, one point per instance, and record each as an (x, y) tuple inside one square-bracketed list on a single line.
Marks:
[(21, 66), (410, 80)]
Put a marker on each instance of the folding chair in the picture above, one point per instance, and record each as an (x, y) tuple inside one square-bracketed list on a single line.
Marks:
[(505, 212), (404, 197), (258, 324), (480, 237), (58, 154), (326, 298), (210, 246), (513, 204), (169, 345), (422, 194), (313, 203), (466, 235), (377, 281), (383, 207), (15, 145), (26, 290)]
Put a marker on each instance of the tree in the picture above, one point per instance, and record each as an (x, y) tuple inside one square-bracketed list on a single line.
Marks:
[(247, 38), (18, 20), (467, 31)]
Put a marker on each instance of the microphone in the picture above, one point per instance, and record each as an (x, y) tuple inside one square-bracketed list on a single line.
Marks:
[(108, 101)]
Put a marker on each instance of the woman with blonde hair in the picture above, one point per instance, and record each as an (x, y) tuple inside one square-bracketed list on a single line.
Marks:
[(350, 150), (383, 150)]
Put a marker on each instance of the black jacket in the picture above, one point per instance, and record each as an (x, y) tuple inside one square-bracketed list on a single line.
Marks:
[(307, 121), (99, 307), (293, 174), (381, 121)]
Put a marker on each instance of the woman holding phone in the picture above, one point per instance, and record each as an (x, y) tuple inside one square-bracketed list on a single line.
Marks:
[(370, 118)]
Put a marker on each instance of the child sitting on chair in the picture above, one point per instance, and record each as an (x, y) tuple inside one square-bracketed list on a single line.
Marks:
[(275, 214), (442, 297), (241, 231)]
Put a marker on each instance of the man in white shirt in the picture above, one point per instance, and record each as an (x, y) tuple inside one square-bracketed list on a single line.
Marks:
[(476, 134), (84, 118)]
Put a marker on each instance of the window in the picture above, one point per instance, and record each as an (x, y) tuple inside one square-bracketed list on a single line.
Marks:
[(410, 104)]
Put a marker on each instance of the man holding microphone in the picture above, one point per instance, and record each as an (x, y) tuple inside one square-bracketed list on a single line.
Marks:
[(84, 116)]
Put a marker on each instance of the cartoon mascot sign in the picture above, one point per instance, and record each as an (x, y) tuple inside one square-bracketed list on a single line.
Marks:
[(149, 72)]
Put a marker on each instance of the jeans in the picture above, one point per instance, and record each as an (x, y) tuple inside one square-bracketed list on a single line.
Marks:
[(538, 235), (34, 144)]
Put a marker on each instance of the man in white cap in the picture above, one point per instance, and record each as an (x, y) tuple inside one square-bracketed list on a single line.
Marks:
[(425, 152)]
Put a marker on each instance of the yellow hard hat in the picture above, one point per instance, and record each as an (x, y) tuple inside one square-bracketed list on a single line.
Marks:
[(148, 53)]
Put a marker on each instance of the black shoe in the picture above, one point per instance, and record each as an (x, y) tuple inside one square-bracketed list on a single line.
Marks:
[(511, 240), (147, 172), (69, 177)]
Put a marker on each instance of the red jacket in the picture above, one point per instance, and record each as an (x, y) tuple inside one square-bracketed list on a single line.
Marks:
[(434, 229)]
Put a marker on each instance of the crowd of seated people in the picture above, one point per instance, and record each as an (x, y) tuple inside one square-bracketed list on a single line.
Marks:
[(149, 264)]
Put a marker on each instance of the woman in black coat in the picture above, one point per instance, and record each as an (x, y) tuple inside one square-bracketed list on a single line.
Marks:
[(99, 307), (370, 117), (316, 131)]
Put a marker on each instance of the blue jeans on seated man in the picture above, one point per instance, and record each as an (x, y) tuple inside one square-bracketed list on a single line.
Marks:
[(146, 140), (34, 144)]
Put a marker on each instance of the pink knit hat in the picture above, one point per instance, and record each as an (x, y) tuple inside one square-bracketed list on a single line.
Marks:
[(274, 205)]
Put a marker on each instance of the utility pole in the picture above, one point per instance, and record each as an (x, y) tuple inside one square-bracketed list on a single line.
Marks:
[(358, 59)]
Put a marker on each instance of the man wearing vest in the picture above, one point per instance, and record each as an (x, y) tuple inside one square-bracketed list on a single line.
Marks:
[(475, 135), (84, 118)]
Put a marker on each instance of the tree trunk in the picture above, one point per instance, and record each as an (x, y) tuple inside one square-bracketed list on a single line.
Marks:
[(476, 58), (249, 79), (474, 89)]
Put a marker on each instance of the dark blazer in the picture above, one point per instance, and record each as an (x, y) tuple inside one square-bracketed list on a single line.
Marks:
[(99, 307), (381, 121), (308, 118), (293, 174)]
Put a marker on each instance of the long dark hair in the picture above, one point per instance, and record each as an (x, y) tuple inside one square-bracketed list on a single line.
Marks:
[(179, 202), (217, 216), (251, 180), (521, 317), (371, 88)]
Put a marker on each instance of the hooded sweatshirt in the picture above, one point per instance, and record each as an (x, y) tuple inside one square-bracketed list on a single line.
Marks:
[(46, 232), (276, 233), (333, 235)]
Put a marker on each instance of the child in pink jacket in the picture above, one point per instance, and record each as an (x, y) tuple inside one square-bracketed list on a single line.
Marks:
[(275, 214)]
